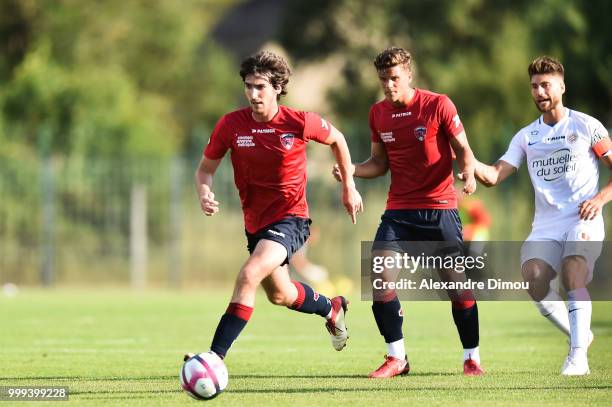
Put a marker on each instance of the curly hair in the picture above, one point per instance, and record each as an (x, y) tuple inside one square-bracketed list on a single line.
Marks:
[(270, 65), (392, 57), (545, 65)]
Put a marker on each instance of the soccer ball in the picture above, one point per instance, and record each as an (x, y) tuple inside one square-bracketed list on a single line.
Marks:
[(204, 376)]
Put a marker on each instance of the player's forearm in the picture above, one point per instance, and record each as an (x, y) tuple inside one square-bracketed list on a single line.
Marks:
[(487, 175), (203, 180), (343, 159), (205, 173), (465, 159), (605, 194), (371, 168)]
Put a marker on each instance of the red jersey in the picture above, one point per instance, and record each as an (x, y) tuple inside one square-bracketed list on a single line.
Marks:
[(417, 141), (269, 161)]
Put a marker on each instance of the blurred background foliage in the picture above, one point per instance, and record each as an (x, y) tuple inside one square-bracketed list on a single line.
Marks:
[(112, 78), (476, 51), (96, 96)]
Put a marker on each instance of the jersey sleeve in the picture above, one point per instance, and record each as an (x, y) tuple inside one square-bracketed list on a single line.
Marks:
[(516, 151), (600, 140), (374, 136), (449, 118), (219, 141), (316, 128)]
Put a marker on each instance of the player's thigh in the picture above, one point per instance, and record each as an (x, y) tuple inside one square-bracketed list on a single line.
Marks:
[(385, 269), (582, 248), (267, 256), (385, 264)]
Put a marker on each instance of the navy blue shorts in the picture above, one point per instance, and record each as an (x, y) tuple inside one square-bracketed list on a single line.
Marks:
[(291, 232), (419, 225)]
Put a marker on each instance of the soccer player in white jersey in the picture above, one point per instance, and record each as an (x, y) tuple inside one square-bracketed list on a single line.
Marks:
[(561, 149)]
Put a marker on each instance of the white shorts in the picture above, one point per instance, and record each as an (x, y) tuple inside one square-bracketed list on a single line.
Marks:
[(577, 238)]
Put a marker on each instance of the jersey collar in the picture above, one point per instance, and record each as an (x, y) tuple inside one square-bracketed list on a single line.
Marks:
[(567, 114)]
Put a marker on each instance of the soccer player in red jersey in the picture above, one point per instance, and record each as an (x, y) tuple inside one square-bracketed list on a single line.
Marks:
[(414, 133), (268, 152)]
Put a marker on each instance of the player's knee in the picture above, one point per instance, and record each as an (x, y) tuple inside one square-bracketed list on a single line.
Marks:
[(530, 274), (385, 295), (249, 275), (535, 271), (277, 298)]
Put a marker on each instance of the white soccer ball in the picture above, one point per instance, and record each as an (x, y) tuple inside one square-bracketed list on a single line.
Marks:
[(204, 376)]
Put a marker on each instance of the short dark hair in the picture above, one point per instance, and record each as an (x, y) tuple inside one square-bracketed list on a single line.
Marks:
[(270, 65), (391, 57), (545, 65)]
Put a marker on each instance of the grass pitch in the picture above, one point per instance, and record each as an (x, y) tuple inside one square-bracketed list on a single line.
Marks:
[(125, 348)]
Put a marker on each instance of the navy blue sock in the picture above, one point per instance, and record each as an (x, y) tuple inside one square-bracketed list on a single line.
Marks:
[(310, 302), (465, 315), (389, 318), (230, 326)]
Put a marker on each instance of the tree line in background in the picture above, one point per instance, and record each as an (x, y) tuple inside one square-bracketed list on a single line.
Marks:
[(111, 78), (144, 78), (475, 51)]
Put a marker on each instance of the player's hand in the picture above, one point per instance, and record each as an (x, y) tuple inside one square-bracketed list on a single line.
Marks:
[(208, 204), (590, 208), (469, 182), (338, 175), (351, 199)]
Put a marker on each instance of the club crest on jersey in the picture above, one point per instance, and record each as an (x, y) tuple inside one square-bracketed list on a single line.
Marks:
[(572, 138), (286, 140), (420, 133)]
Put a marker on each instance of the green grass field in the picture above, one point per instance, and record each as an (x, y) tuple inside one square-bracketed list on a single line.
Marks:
[(125, 348)]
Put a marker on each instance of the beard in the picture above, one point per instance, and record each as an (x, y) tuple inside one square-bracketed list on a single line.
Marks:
[(548, 106)]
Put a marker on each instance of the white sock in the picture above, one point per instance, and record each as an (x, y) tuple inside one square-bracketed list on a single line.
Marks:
[(579, 304), (578, 353), (472, 353), (553, 308), (396, 349)]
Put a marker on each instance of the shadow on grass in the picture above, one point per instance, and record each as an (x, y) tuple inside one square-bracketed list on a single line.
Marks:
[(339, 376), (119, 394), (94, 379), (415, 389), (237, 376)]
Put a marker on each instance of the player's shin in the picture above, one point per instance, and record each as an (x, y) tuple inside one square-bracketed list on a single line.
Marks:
[(389, 319), (232, 323), (465, 315), (579, 304), (553, 308)]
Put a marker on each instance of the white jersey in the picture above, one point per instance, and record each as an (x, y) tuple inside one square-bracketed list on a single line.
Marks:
[(562, 165)]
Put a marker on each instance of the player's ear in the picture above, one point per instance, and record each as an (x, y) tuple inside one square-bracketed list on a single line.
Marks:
[(409, 73), (562, 86)]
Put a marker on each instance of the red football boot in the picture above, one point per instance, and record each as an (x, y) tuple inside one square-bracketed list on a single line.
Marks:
[(472, 368), (392, 367)]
